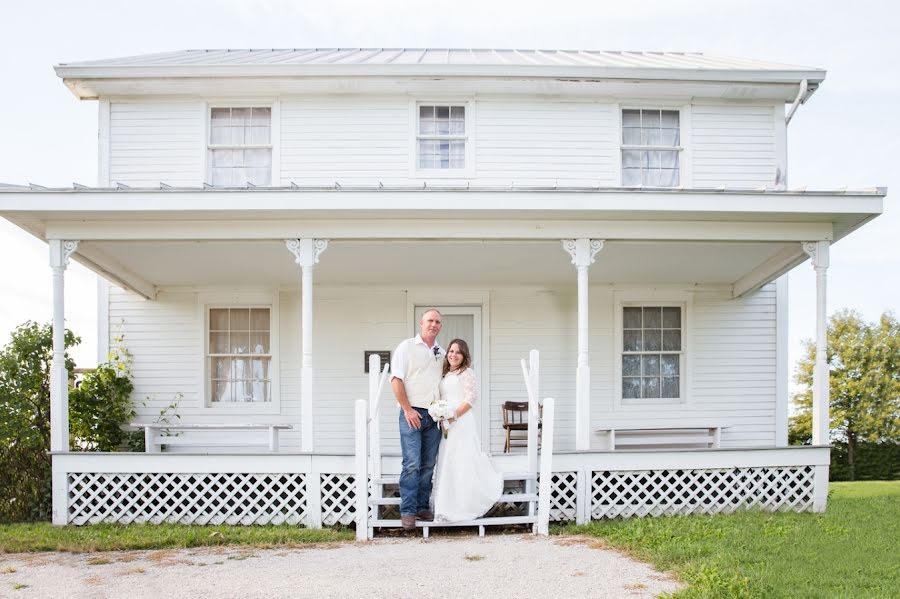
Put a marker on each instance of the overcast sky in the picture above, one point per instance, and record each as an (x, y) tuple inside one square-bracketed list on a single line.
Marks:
[(847, 135)]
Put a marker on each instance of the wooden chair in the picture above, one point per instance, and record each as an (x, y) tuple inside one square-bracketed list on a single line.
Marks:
[(515, 423)]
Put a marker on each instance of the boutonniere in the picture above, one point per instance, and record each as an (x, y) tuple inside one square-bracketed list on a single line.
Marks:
[(437, 352)]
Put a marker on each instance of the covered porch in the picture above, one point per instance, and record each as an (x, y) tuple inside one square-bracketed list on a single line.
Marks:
[(344, 279)]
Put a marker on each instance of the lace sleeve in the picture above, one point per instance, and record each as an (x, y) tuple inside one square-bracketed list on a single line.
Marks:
[(470, 386)]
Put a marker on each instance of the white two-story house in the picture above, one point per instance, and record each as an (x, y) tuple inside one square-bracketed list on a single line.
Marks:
[(264, 220)]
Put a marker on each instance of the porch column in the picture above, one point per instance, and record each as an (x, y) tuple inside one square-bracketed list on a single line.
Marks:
[(582, 252), (818, 252), (306, 254), (59, 377)]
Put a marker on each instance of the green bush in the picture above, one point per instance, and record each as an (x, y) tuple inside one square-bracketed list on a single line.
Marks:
[(101, 404), (871, 461)]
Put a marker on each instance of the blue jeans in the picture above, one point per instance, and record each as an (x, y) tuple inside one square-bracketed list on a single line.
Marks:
[(419, 448)]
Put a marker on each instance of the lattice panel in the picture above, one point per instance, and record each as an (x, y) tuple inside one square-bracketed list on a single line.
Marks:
[(563, 496), (193, 498), (676, 492), (338, 498)]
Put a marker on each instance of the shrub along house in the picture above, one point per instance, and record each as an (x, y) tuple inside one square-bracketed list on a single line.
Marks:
[(265, 219)]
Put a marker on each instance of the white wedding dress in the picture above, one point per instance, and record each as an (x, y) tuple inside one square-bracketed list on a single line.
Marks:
[(465, 482)]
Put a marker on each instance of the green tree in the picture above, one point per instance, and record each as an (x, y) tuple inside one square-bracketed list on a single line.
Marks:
[(864, 362), (25, 421), (97, 409)]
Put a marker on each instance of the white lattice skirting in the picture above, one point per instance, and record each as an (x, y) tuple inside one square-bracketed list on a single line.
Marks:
[(624, 494), (316, 498), (222, 498)]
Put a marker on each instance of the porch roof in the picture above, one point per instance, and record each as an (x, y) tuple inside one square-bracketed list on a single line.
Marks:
[(147, 238)]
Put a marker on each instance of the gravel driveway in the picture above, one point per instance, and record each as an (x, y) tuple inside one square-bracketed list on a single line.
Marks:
[(515, 566)]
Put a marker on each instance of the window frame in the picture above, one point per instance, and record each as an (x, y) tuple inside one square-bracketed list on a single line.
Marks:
[(262, 299), (652, 299), (274, 136), (469, 170), (682, 149)]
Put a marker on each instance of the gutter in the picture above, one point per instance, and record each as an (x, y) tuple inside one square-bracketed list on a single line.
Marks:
[(803, 95)]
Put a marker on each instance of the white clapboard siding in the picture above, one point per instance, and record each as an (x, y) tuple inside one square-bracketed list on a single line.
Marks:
[(545, 143), (730, 336), (165, 340), (733, 145), (525, 319), (156, 141), (350, 140), (366, 140), (347, 323)]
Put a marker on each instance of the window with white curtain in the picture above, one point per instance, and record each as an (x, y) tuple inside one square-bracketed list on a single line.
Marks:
[(652, 352), (239, 354), (651, 147), (240, 146), (441, 137)]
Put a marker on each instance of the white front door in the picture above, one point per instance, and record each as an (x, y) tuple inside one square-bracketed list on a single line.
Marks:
[(462, 322)]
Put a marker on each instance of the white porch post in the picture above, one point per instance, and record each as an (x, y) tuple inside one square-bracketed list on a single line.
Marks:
[(306, 253), (818, 252), (582, 252), (59, 377), (60, 251)]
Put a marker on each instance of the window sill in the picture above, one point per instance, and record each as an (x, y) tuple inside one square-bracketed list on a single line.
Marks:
[(441, 173), (643, 404), (242, 408)]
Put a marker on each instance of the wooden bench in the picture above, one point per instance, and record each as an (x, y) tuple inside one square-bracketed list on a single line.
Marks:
[(153, 441), (625, 436)]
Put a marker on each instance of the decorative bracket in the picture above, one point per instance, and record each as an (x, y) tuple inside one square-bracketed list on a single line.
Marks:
[(818, 252), (582, 250), (60, 251), (306, 251)]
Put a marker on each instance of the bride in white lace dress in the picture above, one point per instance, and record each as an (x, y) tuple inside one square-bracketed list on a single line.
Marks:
[(465, 482)]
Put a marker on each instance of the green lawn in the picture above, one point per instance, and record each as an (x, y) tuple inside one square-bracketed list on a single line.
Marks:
[(852, 550), (16, 538)]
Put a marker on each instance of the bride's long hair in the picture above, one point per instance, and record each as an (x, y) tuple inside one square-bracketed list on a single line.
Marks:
[(464, 350)]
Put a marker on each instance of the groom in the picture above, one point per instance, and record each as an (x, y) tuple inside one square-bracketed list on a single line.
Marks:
[(416, 368)]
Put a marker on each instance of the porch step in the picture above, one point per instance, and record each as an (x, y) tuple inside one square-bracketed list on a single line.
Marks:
[(395, 480), (499, 521), (508, 498)]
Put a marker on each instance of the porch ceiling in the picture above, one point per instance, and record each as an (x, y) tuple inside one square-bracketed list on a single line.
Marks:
[(187, 263), (148, 238)]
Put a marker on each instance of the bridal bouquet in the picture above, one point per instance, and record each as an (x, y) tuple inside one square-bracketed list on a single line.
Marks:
[(441, 412)]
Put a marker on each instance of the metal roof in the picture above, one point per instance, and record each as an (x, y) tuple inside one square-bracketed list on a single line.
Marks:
[(394, 61)]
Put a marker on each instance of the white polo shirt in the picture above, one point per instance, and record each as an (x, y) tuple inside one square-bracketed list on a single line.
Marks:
[(419, 367)]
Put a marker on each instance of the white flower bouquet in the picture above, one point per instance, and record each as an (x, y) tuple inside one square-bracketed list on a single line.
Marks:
[(441, 413)]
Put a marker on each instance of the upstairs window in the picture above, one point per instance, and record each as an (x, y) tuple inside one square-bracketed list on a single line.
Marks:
[(651, 146), (441, 137), (239, 357), (652, 354), (240, 146)]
